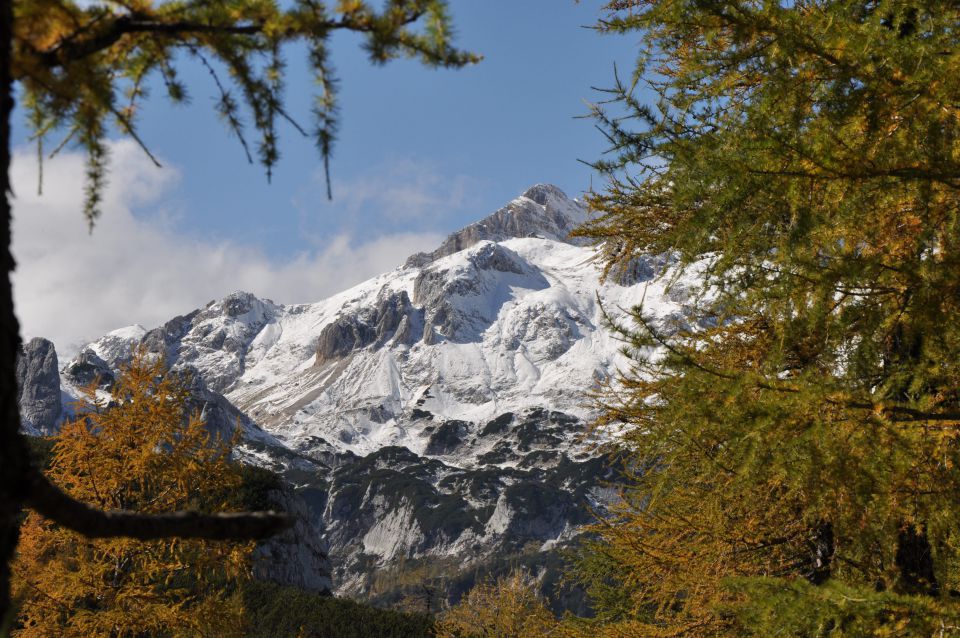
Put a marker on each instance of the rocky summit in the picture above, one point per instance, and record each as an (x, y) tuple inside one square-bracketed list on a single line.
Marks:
[(432, 423)]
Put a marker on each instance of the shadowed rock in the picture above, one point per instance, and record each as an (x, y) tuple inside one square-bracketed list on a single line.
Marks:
[(448, 437), (296, 557), (393, 317), (165, 340), (86, 368), (39, 387)]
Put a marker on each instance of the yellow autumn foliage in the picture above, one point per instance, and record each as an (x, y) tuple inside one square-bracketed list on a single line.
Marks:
[(509, 607), (142, 451)]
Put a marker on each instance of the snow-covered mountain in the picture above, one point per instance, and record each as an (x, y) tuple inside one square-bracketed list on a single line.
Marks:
[(435, 415)]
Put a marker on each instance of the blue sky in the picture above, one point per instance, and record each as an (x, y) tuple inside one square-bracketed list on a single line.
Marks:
[(421, 152)]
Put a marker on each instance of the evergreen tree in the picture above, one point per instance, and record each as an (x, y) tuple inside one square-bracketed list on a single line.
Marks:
[(509, 607), (81, 67), (796, 444), (144, 452)]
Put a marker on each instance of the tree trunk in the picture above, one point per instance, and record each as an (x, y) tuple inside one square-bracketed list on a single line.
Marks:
[(914, 559), (13, 454), (820, 558)]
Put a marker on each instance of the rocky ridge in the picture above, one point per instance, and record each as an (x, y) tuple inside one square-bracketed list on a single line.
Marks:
[(431, 421)]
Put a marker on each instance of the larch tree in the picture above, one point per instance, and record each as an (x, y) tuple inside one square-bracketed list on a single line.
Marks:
[(507, 607), (143, 451), (82, 69), (796, 438)]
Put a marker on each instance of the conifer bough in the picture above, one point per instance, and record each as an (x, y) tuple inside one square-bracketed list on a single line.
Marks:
[(84, 67)]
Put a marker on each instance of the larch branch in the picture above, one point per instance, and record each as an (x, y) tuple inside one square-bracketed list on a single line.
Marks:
[(50, 501), (72, 49)]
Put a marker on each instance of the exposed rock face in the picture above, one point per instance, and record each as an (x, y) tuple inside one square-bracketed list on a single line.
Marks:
[(460, 300), (392, 317), (341, 337), (394, 507), (39, 382), (217, 337), (542, 211), (222, 332), (165, 340), (221, 418), (86, 368), (298, 556), (432, 419), (447, 438)]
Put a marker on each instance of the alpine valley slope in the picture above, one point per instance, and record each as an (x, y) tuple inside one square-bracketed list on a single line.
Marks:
[(432, 421)]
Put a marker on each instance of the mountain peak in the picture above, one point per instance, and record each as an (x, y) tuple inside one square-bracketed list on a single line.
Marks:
[(239, 302), (543, 210), (542, 193)]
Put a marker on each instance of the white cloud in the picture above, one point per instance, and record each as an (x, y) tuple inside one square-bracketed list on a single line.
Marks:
[(71, 286)]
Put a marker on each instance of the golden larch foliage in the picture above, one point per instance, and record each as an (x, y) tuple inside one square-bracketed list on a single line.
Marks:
[(510, 607), (143, 450)]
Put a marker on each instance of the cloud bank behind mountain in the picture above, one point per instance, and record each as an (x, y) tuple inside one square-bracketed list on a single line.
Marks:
[(72, 285)]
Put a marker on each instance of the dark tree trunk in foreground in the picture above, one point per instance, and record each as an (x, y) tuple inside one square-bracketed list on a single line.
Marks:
[(914, 559), (255, 34), (20, 484), (821, 544), (13, 456)]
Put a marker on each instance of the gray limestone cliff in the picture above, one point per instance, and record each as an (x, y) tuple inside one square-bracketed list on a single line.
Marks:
[(223, 329), (542, 210), (39, 387), (296, 557), (392, 318), (393, 511)]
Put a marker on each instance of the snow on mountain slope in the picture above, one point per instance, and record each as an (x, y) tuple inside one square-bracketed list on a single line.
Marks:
[(505, 315), (435, 413), (494, 327)]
